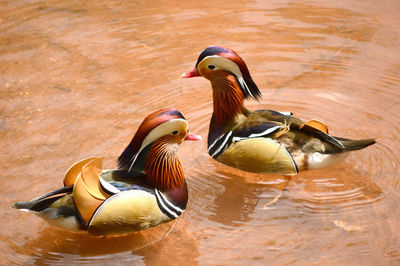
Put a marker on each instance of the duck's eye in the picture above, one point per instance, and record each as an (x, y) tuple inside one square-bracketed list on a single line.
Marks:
[(211, 66), (175, 132)]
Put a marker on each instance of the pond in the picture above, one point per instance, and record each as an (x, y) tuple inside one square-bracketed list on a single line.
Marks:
[(77, 78)]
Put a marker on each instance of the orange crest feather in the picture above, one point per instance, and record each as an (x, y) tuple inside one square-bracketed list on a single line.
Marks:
[(228, 98)]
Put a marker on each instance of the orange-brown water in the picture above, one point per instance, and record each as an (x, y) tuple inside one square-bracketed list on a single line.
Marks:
[(77, 78)]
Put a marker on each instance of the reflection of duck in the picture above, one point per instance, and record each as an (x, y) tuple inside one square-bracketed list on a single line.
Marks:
[(148, 188), (236, 201), (63, 248), (264, 140)]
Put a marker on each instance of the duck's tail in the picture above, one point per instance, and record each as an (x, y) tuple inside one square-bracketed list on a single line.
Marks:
[(23, 205), (318, 160), (353, 145), (40, 203)]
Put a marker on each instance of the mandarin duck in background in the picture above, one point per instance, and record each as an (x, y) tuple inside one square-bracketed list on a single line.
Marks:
[(263, 141), (148, 189)]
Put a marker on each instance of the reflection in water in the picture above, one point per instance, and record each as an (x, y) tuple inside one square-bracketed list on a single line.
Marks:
[(55, 246), (236, 202), (77, 78), (335, 192)]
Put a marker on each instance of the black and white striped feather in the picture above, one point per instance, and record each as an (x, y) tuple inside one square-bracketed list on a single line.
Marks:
[(218, 145)]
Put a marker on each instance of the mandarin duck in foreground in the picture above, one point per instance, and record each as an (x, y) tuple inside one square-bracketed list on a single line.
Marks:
[(148, 189), (263, 141)]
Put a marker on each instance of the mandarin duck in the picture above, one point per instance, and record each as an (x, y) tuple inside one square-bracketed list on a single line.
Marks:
[(146, 190), (263, 141)]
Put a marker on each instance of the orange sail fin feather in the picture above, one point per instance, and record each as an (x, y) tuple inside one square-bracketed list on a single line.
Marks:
[(88, 194), (317, 125), (73, 172)]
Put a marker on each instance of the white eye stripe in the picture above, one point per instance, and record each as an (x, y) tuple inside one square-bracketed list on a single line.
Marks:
[(221, 63), (161, 130), (228, 65)]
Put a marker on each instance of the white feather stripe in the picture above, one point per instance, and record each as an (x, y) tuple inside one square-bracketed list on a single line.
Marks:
[(285, 113), (107, 186), (256, 135), (134, 159), (99, 209), (222, 145), (215, 141), (244, 85), (164, 207), (292, 160), (176, 208)]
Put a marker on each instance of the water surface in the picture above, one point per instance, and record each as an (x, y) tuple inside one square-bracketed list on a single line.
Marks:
[(76, 80)]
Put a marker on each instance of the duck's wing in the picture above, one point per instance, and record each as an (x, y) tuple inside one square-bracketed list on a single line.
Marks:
[(246, 131), (134, 207), (252, 146), (90, 191), (93, 187), (305, 131)]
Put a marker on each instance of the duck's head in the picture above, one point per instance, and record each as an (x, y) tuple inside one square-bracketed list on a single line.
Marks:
[(216, 63), (166, 126)]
